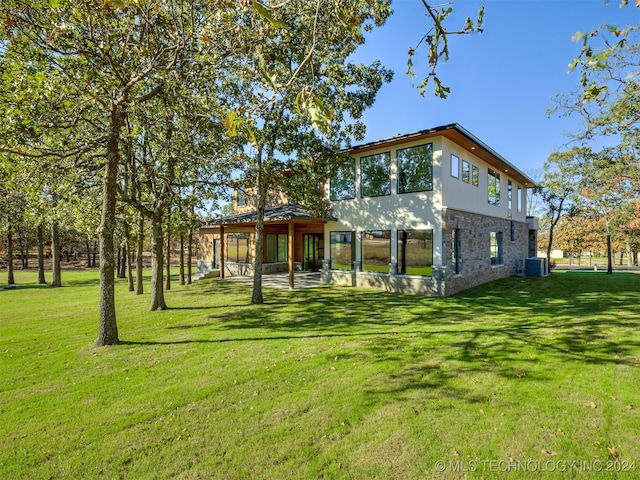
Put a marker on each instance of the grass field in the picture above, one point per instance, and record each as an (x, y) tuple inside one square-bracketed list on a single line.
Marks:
[(522, 378)]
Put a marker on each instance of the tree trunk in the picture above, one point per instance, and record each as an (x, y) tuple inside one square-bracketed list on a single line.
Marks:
[(168, 285), (108, 329), (157, 292), (41, 279), (181, 259), (130, 262), (55, 254), (189, 254), (123, 261), (10, 278), (118, 259), (609, 260), (95, 255), (261, 188), (24, 252), (88, 247), (140, 244)]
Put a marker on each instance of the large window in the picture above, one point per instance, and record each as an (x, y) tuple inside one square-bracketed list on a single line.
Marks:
[(456, 252), (455, 166), (415, 172), (376, 251), (375, 176), (342, 250), (415, 252), (496, 248), (238, 247), (343, 183), (277, 247), (493, 187)]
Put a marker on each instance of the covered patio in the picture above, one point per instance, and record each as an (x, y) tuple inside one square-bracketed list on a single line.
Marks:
[(293, 241)]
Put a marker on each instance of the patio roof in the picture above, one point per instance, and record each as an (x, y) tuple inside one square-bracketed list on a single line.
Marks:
[(281, 213)]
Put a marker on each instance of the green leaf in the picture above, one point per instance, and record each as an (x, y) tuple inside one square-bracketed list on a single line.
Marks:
[(266, 14), (54, 3)]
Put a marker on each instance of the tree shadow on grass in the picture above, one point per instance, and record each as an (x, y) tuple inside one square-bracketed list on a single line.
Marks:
[(577, 315)]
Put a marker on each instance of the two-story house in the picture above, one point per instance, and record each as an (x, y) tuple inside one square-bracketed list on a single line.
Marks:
[(432, 212)]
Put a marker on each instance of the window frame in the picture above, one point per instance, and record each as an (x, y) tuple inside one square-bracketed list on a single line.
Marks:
[(455, 172), (278, 248), (237, 237), (349, 167), (493, 179), (496, 249), (364, 255), (332, 235), (475, 175), (466, 175), (456, 252), (519, 199), (241, 197), (399, 157), (402, 242), (384, 189)]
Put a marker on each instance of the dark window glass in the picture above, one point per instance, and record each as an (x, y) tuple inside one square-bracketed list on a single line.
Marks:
[(375, 179), (465, 171), (456, 252), (415, 252), (475, 175), (277, 247), (493, 187), (242, 198), (415, 171), (496, 248), (376, 251), (342, 250), (238, 247), (343, 183)]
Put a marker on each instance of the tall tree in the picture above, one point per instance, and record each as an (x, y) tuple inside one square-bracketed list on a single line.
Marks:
[(560, 187), (300, 97), (105, 58)]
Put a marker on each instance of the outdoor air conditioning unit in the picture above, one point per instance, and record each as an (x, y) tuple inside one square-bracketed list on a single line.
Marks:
[(535, 267)]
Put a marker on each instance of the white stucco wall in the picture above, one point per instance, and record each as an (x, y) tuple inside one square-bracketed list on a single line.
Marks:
[(467, 197)]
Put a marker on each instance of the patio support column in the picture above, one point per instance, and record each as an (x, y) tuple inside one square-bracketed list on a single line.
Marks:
[(222, 251), (291, 256)]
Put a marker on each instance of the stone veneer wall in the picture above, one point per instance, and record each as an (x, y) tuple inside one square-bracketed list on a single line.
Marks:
[(476, 265)]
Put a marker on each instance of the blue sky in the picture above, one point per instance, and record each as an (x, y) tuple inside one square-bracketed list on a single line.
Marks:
[(502, 81)]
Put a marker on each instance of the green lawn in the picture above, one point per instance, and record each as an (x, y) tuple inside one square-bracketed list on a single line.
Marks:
[(519, 375)]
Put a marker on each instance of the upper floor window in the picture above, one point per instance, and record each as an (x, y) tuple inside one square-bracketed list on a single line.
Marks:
[(475, 175), (493, 187), (241, 198), (519, 199), (415, 171), (455, 166), (510, 195), (375, 175), (343, 183), (465, 171)]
